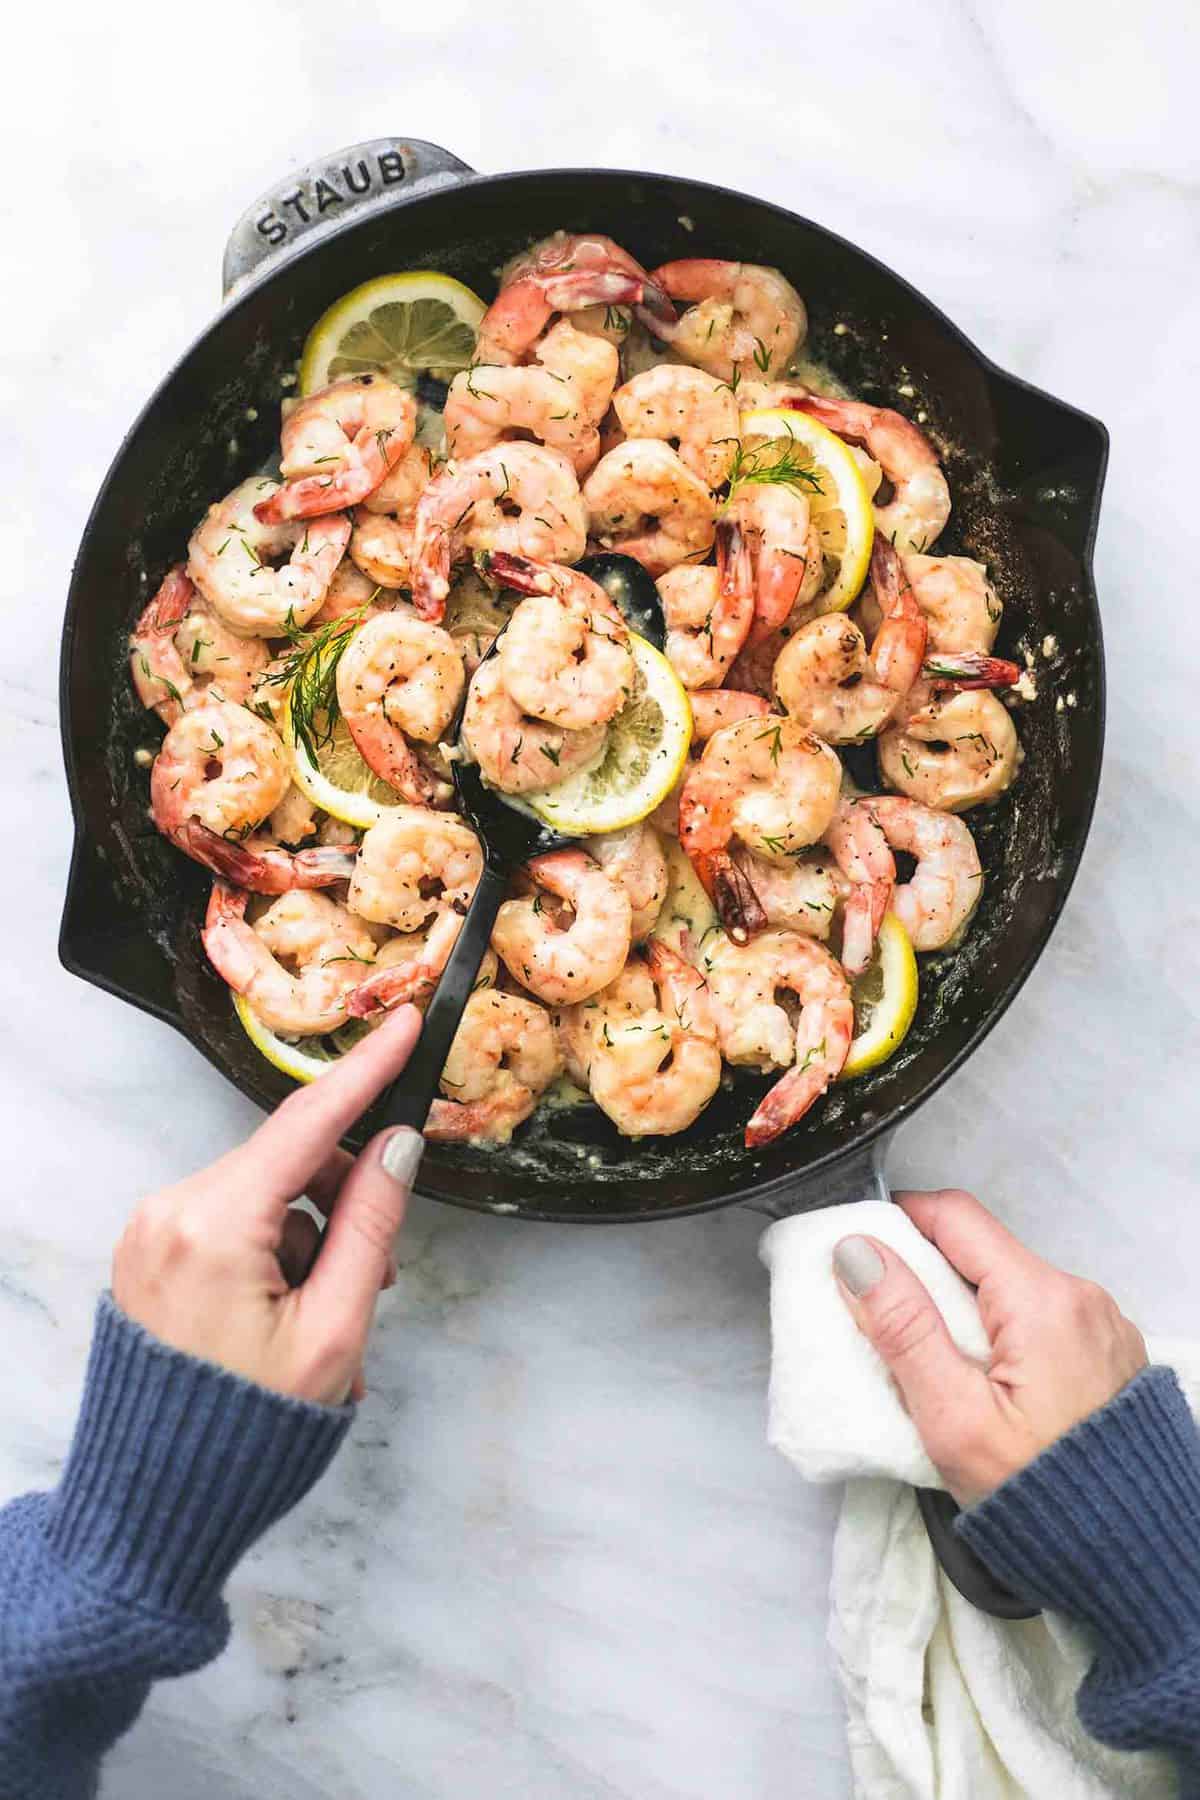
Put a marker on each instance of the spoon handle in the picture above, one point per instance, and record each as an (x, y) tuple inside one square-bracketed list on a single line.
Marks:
[(409, 1100)]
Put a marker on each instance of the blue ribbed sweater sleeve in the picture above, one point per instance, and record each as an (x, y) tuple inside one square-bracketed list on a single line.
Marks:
[(1105, 1527), (115, 1578)]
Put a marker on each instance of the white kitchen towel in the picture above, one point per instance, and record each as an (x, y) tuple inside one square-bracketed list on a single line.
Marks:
[(943, 1702)]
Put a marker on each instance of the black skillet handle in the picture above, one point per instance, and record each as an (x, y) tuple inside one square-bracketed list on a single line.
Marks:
[(409, 1100), (960, 1565), (860, 1176), (367, 177)]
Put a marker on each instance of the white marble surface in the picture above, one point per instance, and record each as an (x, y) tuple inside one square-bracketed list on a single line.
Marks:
[(556, 1558)]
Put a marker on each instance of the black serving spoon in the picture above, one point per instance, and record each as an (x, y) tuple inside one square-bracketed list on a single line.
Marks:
[(509, 838)]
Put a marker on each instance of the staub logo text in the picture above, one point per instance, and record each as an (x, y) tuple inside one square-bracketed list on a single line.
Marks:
[(325, 193)]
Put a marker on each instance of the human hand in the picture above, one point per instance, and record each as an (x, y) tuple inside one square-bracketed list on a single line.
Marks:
[(1061, 1347), (202, 1264)]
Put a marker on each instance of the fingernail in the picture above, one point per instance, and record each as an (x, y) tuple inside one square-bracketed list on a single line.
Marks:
[(401, 1154), (858, 1265)]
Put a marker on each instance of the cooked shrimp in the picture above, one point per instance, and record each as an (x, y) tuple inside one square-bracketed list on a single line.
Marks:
[(757, 1032), (961, 607), (690, 410), (953, 753), (296, 965), (517, 753), (587, 360), (399, 678), (861, 852), (561, 274), (294, 819), (218, 774), (759, 396), (338, 445), (351, 592), (414, 866), (767, 782), (565, 952), (654, 1072), (409, 966), (935, 904), (714, 708), (182, 655), (800, 895), (823, 1036), (493, 403), (774, 552), (231, 559), (634, 860), (565, 656), (643, 501), (743, 319), (707, 617), (504, 1055), (521, 498), (824, 677), (632, 992), (381, 541), (920, 505)]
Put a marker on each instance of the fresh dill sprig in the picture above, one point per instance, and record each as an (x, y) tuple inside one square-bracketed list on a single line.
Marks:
[(781, 461), (310, 668)]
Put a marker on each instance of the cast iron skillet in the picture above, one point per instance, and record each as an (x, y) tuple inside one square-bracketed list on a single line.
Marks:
[(1026, 473)]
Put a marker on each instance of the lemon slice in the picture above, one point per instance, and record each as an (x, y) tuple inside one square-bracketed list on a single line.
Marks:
[(301, 1058), (841, 506), (339, 782), (645, 749), (885, 1000), (410, 324)]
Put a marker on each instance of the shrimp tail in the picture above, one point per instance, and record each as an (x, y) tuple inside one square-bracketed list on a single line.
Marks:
[(495, 1118), (503, 569), (729, 888), (308, 497), (223, 936), (590, 287), (656, 310), (786, 1102), (389, 987), (269, 871), (862, 915), (431, 575), (170, 605), (970, 669), (735, 564)]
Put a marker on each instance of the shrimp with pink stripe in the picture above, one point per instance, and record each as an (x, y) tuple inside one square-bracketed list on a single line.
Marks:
[(264, 580), (400, 678), (915, 515), (824, 677), (338, 445), (181, 654), (741, 319), (565, 657), (563, 273), (220, 773), (708, 613), (504, 1056), (520, 498), (766, 783), (654, 1071)]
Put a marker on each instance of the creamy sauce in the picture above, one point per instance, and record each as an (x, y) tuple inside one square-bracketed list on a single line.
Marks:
[(687, 908)]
